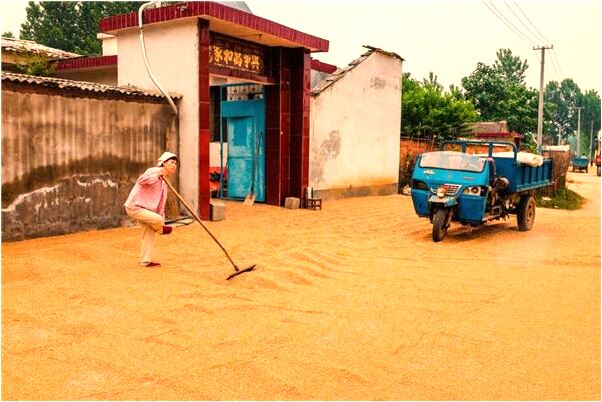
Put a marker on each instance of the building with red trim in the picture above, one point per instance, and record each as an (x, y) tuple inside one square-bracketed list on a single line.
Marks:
[(182, 44), (224, 61)]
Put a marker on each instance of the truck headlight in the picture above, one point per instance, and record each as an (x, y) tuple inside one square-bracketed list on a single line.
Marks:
[(419, 185), (472, 190)]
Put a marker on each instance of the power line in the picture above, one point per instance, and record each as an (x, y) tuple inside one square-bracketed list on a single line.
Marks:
[(499, 15), (545, 74), (548, 76), (558, 63), (521, 21), (521, 34), (542, 35)]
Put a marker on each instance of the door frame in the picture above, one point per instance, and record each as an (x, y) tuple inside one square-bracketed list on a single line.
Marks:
[(260, 126)]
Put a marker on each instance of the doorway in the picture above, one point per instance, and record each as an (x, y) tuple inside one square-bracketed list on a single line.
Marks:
[(242, 119)]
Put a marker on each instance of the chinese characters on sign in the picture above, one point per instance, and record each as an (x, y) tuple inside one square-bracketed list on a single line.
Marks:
[(228, 53)]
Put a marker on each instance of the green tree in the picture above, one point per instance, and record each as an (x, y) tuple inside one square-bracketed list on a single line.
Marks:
[(428, 110), (590, 119), (562, 100), (510, 68), (71, 25), (8, 34), (499, 92)]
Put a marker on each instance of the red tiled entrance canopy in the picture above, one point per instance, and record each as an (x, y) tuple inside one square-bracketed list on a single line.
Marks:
[(222, 19)]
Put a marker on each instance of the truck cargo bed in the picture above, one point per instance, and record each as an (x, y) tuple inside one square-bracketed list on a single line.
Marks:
[(523, 177)]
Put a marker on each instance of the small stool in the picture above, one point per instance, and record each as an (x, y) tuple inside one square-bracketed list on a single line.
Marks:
[(313, 203)]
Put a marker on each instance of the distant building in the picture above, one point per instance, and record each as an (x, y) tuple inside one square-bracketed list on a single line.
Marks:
[(494, 131), (17, 53)]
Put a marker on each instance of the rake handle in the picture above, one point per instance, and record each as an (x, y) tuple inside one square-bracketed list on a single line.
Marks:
[(198, 220)]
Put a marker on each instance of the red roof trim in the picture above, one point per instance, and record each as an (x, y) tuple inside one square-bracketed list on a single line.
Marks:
[(215, 10), (87, 62), (323, 67), (498, 135)]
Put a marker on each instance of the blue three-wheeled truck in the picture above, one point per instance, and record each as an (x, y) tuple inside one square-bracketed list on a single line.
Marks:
[(474, 188)]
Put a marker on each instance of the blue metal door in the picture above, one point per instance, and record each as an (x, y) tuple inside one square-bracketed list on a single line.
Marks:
[(246, 154)]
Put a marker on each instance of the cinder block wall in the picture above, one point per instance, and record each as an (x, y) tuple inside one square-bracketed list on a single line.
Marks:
[(69, 159)]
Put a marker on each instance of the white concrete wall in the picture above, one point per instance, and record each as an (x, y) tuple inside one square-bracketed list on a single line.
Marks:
[(172, 51), (354, 127), (109, 45), (214, 156)]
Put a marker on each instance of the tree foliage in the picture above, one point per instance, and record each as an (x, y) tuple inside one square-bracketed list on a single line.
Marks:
[(8, 34), (590, 119), (428, 110), (71, 25), (564, 100), (500, 92)]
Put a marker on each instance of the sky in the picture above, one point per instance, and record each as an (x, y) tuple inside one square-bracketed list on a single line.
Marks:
[(446, 37)]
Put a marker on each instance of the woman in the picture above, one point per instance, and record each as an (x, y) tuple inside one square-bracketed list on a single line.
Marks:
[(146, 204)]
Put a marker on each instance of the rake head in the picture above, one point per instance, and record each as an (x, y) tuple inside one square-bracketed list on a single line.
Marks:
[(241, 271)]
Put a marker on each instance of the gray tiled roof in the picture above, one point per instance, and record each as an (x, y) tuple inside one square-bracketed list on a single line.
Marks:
[(29, 46), (341, 72), (489, 127), (60, 83)]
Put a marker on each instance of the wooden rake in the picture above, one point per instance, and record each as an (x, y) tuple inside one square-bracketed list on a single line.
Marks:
[(237, 270)]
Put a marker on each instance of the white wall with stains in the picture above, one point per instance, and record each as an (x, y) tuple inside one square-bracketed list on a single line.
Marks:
[(354, 130), (173, 58)]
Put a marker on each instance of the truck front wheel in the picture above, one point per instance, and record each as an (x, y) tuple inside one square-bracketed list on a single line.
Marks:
[(440, 223), (525, 214), (598, 171)]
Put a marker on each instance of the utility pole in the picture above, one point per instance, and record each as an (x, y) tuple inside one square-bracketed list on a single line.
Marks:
[(540, 105), (591, 134), (559, 132), (578, 129)]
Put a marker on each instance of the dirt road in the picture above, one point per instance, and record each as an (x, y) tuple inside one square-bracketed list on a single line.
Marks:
[(352, 302)]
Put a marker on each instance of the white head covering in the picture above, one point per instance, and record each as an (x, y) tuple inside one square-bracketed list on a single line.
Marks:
[(165, 157)]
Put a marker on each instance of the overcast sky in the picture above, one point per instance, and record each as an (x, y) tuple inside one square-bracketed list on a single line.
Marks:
[(447, 37)]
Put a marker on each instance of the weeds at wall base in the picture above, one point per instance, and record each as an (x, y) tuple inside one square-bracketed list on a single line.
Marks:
[(563, 198)]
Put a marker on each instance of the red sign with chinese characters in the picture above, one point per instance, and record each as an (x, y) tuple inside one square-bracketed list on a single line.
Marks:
[(227, 52)]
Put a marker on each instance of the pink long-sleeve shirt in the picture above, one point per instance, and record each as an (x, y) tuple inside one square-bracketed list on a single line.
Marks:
[(149, 192)]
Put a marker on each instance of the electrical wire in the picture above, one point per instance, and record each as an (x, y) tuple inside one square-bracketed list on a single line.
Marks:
[(521, 21), (555, 59), (528, 39), (542, 35), (546, 78), (501, 17)]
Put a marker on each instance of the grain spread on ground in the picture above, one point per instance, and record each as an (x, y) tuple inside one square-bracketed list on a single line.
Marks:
[(351, 302)]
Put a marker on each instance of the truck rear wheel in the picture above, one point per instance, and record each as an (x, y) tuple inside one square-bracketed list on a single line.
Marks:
[(525, 214), (440, 224)]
